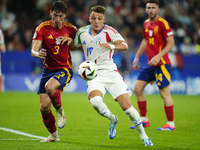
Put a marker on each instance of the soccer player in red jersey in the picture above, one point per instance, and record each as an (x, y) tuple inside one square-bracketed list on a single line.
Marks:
[(157, 42), (55, 37)]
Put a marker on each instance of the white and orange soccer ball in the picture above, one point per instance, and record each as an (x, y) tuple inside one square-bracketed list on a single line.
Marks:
[(87, 70)]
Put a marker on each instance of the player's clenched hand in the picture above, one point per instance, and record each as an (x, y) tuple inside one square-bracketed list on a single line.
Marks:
[(135, 62), (42, 53), (65, 40)]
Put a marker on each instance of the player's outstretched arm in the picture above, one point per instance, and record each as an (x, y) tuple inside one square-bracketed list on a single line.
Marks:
[(69, 41), (118, 45), (121, 45), (35, 50)]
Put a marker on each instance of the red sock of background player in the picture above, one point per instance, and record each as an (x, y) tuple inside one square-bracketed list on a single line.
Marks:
[(142, 105), (56, 99), (169, 110), (49, 122)]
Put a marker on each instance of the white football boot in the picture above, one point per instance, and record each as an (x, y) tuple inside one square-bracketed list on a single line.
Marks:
[(61, 121), (53, 137)]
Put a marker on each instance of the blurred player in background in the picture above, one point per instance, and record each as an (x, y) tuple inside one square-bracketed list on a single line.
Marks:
[(157, 41), (3, 50), (57, 70), (98, 42)]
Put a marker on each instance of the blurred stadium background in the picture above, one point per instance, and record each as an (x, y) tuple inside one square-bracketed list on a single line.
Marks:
[(19, 18)]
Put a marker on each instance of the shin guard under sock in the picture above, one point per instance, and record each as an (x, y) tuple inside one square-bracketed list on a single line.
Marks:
[(49, 122), (56, 99)]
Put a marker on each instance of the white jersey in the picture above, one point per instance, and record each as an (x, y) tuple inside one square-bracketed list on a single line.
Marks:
[(92, 51), (108, 77)]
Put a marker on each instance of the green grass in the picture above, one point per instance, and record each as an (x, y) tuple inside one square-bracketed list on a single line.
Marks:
[(86, 130)]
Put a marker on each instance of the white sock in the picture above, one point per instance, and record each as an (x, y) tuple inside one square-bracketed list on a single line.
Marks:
[(135, 119), (143, 119), (101, 108), (55, 133), (171, 123)]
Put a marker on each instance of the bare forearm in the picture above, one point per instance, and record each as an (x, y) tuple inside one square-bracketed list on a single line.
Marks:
[(34, 53), (72, 46), (141, 49), (168, 47), (121, 46), (3, 48), (35, 50)]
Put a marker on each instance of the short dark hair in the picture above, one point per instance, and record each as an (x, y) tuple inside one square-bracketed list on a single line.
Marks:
[(98, 9), (59, 6), (153, 1)]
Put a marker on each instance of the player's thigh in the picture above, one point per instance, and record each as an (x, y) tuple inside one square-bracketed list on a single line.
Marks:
[(147, 73), (95, 93), (163, 77), (124, 101), (166, 95), (63, 76), (117, 86), (51, 85), (165, 91), (95, 88), (49, 77), (140, 85)]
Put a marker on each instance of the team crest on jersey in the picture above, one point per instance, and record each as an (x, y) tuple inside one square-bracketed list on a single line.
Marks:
[(155, 31), (58, 41), (98, 40), (66, 35), (150, 33)]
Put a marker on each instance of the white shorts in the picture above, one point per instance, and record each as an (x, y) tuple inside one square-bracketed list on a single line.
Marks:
[(111, 81)]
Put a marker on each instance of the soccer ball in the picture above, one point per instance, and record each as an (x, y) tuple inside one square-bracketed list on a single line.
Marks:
[(87, 70)]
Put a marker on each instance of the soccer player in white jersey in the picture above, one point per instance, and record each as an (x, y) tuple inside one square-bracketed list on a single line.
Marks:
[(98, 42), (3, 50)]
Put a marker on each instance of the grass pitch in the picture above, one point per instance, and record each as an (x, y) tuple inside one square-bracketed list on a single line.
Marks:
[(86, 130)]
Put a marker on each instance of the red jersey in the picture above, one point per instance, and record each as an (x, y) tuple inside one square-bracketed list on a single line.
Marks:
[(58, 56), (155, 34)]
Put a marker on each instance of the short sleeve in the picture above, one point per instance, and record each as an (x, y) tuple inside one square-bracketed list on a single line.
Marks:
[(114, 35), (77, 40), (167, 31), (38, 35)]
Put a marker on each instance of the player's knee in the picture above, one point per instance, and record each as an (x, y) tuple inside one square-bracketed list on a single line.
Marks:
[(166, 97), (163, 94), (44, 109), (49, 89), (137, 90), (126, 106), (45, 104), (95, 102)]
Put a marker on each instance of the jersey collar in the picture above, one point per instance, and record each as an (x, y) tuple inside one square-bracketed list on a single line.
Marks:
[(90, 30)]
